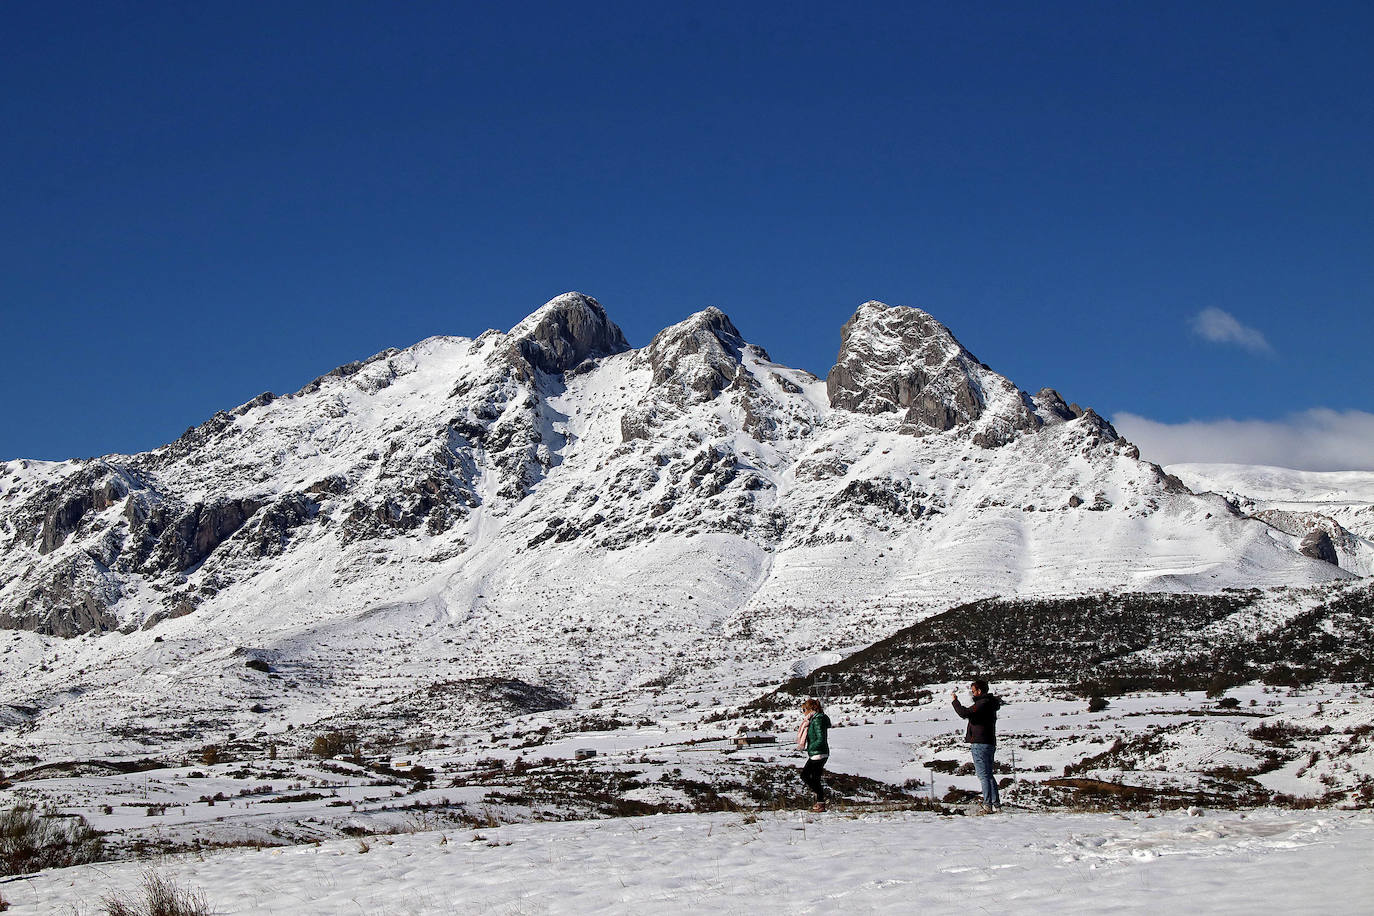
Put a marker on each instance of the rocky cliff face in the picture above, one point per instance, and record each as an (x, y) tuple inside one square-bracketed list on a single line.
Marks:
[(901, 360), (1317, 545), (565, 332)]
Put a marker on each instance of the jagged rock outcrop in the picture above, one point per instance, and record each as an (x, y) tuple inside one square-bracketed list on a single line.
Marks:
[(272, 527), (467, 509), (1323, 538), (701, 354), (692, 362), (899, 359), (76, 596), (198, 530), (566, 331), (1317, 545), (66, 513), (1052, 409)]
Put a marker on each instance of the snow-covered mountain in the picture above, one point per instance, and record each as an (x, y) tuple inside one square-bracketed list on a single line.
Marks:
[(551, 507), (1333, 511)]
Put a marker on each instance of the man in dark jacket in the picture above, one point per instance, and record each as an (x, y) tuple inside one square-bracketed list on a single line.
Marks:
[(981, 735)]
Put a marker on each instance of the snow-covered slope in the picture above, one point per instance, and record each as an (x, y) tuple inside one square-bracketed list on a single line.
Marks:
[(1308, 504), (552, 507)]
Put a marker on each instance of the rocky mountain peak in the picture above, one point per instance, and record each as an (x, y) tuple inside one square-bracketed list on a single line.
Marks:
[(900, 359), (565, 331), (1051, 408), (703, 353)]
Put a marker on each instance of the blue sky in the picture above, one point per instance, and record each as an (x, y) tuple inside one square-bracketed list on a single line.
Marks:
[(205, 201)]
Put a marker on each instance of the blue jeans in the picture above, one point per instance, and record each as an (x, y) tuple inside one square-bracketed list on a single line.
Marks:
[(982, 765)]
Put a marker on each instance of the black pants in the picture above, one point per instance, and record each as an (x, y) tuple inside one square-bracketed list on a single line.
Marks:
[(811, 775)]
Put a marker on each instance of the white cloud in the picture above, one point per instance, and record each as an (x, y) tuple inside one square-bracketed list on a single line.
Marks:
[(1222, 327), (1311, 440)]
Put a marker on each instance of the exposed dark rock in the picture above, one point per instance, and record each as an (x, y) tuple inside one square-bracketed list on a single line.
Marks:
[(1052, 407), (436, 500), (1172, 484), (894, 497), (636, 423), (511, 430), (408, 471), (1317, 545), (57, 511), (820, 467), (270, 530), (1098, 425), (330, 486), (62, 520), (197, 437), (759, 423), (561, 530), (711, 471), (566, 331), (197, 531), (261, 400), (888, 357), (345, 371)]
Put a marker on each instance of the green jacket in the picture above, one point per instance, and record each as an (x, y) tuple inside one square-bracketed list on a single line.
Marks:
[(816, 745)]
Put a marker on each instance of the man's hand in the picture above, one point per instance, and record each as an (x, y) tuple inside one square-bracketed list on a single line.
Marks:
[(954, 694)]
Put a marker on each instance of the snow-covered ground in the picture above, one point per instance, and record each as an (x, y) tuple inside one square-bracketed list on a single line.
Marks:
[(1262, 861), (657, 754)]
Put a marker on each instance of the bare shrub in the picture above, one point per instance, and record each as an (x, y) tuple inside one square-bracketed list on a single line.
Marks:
[(31, 840), (334, 744), (160, 896)]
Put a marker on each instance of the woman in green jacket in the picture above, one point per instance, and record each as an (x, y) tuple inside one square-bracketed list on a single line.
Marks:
[(811, 738)]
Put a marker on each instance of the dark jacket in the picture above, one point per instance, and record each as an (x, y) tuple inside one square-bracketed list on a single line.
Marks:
[(982, 718)]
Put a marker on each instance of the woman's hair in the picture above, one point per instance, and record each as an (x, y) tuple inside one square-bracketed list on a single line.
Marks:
[(812, 705)]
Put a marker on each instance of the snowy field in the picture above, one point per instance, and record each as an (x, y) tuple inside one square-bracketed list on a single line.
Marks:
[(1261, 861), (487, 837), (1179, 745)]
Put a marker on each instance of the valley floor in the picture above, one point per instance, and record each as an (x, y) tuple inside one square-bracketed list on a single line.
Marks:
[(1258, 861)]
